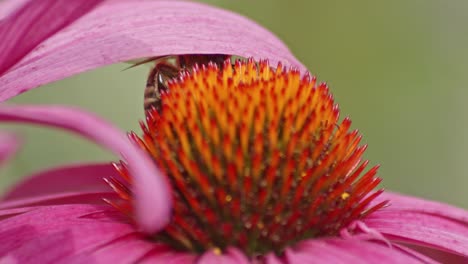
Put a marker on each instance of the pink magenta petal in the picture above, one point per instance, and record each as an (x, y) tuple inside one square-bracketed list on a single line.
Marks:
[(8, 145), (167, 256), (237, 255), (35, 21), (127, 249), (52, 233), (61, 198), (348, 251), (7, 7), (410, 203), (271, 258), (424, 223), (422, 229), (151, 189), (5, 213), (70, 178), (123, 30), (438, 255)]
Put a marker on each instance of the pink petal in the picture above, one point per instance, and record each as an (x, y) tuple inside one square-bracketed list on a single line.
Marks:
[(123, 30), (167, 256), (70, 178), (34, 22), (152, 191), (320, 252), (55, 232), (271, 258), (424, 223), (8, 146), (347, 251), (438, 255), (421, 229), (5, 213), (60, 198), (410, 203), (7, 7), (127, 249), (237, 255)]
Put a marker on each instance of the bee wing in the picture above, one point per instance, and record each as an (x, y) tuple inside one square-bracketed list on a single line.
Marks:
[(139, 62)]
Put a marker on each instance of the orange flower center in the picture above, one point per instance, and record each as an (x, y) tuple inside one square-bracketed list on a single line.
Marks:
[(256, 159)]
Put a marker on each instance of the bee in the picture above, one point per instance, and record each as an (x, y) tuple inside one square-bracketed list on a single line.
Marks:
[(170, 67)]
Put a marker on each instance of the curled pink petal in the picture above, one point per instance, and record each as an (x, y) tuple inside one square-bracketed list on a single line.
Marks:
[(152, 191), (145, 29), (34, 22), (70, 178)]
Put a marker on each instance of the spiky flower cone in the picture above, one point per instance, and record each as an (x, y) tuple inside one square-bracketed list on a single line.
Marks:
[(256, 159)]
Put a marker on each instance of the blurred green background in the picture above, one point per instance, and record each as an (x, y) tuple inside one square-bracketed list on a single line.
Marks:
[(397, 68)]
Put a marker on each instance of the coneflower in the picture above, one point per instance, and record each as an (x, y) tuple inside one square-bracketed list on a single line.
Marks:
[(243, 163)]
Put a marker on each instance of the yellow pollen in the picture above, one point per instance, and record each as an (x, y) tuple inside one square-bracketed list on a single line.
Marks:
[(217, 251), (260, 225), (344, 196)]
